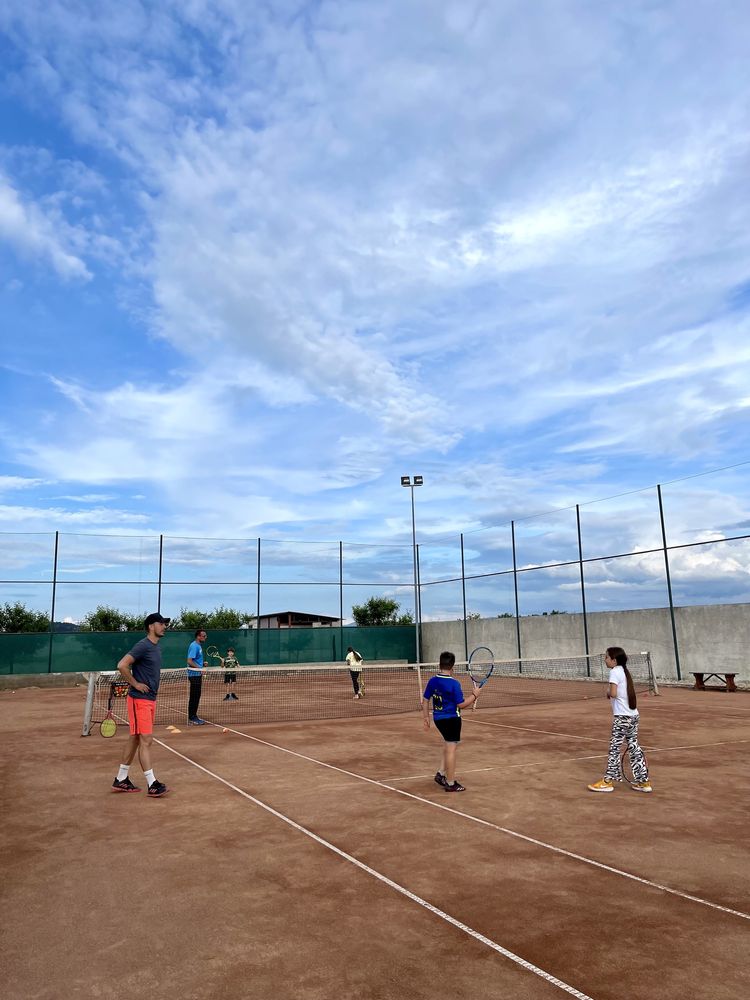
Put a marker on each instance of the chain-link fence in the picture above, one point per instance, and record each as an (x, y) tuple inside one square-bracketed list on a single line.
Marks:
[(682, 544)]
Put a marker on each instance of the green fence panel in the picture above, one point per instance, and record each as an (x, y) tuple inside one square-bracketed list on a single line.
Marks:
[(382, 642), (29, 653), (24, 652), (73, 651)]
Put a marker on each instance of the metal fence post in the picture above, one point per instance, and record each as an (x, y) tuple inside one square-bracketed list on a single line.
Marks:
[(341, 602), (257, 619), (669, 582), (161, 563), (583, 590), (54, 597), (515, 591), (463, 591), (418, 608)]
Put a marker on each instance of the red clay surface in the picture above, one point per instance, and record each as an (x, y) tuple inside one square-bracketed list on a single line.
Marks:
[(206, 894)]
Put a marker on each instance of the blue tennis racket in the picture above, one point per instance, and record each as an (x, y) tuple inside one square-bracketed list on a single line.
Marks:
[(480, 667)]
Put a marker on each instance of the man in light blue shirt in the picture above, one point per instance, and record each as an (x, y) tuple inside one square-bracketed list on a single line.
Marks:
[(195, 676)]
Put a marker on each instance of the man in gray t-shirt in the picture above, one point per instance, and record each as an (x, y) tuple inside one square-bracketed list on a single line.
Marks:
[(146, 668), (141, 668)]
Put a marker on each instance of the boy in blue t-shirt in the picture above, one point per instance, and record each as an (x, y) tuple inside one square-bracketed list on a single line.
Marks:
[(447, 701)]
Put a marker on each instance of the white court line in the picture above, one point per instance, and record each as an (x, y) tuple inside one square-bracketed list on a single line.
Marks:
[(592, 739), (547, 976), (696, 746), (564, 760), (493, 826), (505, 767), (544, 732)]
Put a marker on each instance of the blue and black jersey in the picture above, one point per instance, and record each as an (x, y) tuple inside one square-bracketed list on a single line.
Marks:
[(446, 695)]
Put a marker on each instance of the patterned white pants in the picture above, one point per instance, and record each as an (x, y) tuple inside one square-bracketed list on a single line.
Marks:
[(625, 730)]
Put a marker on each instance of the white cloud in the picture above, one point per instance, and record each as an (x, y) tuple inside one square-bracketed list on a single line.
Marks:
[(11, 483), (25, 518), (39, 234), (491, 243)]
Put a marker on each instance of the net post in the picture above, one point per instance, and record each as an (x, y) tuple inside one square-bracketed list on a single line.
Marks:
[(89, 707), (420, 688), (651, 676)]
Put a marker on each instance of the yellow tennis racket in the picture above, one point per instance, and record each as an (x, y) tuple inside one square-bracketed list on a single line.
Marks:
[(108, 725)]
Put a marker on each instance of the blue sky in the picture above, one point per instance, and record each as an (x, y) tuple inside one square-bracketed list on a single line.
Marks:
[(258, 261)]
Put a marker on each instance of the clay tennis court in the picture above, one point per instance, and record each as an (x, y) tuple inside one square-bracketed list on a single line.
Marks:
[(319, 859)]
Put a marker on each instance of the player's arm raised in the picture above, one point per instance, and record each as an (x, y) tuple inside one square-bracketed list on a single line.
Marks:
[(474, 696)]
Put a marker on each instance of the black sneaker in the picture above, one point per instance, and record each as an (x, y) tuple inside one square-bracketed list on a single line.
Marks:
[(227, 697), (441, 779), (455, 787), (126, 785), (157, 788), (235, 698)]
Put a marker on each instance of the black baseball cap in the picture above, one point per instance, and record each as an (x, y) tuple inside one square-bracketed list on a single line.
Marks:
[(154, 618)]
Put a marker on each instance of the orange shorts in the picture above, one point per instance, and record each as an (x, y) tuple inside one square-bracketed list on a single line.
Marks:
[(141, 712)]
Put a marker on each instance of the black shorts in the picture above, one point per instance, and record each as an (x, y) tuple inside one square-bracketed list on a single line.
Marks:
[(449, 729), (230, 678)]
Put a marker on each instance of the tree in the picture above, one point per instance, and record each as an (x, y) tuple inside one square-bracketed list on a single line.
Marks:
[(473, 616), (107, 619), (381, 611), (18, 618), (505, 614), (219, 618), (229, 618)]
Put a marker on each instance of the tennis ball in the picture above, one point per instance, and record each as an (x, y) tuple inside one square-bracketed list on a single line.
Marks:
[(225, 730)]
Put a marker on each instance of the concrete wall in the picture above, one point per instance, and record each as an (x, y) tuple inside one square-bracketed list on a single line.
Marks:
[(715, 636)]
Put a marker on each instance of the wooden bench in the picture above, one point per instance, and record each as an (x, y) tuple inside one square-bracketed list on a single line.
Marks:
[(727, 681)]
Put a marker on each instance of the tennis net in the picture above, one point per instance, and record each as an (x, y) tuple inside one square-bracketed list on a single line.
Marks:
[(552, 679), (304, 693)]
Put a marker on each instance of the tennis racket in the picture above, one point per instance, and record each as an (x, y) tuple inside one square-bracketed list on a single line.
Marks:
[(214, 653), (108, 725), (625, 769), (480, 667)]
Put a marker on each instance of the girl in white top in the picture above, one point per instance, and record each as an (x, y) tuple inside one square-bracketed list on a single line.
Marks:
[(354, 661), (621, 692)]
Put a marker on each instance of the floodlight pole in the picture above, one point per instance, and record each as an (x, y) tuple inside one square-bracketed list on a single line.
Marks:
[(418, 481)]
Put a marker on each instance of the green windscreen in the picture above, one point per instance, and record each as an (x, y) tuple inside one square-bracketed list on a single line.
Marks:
[(30, 653)]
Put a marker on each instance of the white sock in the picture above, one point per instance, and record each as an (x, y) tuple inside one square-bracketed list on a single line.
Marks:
[(149, 776), (123, 772)]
